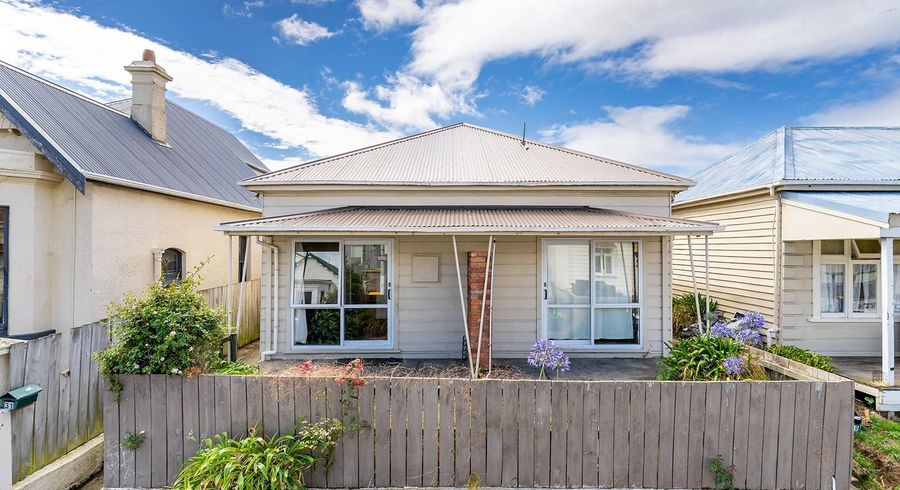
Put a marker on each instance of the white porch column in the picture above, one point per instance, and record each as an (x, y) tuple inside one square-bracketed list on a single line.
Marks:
[(887, 311)]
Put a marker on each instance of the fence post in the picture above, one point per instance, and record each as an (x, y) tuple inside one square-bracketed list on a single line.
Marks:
[(6, 474)]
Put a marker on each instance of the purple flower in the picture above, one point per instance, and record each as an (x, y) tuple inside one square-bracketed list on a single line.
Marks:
[(753, 319), (721, 329), (734, 366), (545, 354), (750, 337)]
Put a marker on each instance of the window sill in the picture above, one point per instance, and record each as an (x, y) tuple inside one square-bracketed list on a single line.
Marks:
[(873, 320), (389, 349)]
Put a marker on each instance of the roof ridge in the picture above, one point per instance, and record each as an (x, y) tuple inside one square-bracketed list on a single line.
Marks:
[(59, 87)]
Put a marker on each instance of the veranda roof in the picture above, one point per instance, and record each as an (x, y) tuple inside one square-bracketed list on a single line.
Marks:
[(468, 220), (839, 215)]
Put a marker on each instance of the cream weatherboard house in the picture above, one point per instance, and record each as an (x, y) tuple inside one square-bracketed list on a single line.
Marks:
[(396, 249), (810, 216), (97, 199)]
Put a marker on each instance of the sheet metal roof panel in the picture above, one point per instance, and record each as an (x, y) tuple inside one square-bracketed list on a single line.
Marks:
[(200, 158), (483, 219), (828, 155), (876, 206), (464, 154)]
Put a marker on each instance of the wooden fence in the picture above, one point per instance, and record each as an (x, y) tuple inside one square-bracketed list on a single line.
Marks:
[(449, 432), (68, 411), (249, 324)]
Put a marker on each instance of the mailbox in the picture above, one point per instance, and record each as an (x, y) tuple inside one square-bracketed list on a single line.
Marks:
[(20, 397)]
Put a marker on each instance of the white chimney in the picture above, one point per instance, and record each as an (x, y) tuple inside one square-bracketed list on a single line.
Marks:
[(148, 95)]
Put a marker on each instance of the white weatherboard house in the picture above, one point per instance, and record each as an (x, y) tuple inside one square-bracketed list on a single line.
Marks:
[(374, 250), (810, 219)]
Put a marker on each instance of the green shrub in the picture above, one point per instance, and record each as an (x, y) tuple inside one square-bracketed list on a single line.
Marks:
[(684, 310), (169, 330), (235, 368), (804, 356), (703, 358), (257, 462)]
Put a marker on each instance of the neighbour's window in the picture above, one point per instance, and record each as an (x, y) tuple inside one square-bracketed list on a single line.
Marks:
[(593, 292), (341, 292), (848, 277), (4, 270), (243, 258), (172, 266)]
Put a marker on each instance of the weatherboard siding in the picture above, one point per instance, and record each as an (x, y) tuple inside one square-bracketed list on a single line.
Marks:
[(428, 318), (741, 258)]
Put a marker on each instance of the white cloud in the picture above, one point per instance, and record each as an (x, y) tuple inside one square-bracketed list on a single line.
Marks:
[(381, 15), (881, 111), (532, 94), (642, 135), (77, 51), (646, 39), (295, 30)]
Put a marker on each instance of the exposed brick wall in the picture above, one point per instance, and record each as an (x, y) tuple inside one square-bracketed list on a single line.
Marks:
[(477, 268)]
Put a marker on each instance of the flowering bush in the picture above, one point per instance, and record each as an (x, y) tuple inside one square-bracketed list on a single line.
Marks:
[(743, 331), (169, 330), (708, 358), (734, 366), (545, 354)]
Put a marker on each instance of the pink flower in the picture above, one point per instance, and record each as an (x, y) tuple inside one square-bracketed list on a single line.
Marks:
[(339, 380), (305, 366), (358, 382)]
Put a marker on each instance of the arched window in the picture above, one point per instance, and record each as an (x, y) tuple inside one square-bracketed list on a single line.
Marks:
[(172, 266)]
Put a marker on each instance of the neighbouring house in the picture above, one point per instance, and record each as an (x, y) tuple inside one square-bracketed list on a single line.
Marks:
[(810, 216), (98, 199), (391, 250)]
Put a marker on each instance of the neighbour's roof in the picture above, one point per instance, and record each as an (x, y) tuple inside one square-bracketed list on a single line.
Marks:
[(877, 206), (463, 154), (832, 155), (459, 219), (86, 139)]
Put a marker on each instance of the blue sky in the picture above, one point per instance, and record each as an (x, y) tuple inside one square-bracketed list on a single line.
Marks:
[(671, 85)]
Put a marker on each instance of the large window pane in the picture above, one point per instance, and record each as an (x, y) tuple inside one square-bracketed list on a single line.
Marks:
[(616, 326), (365, 323), (569, 323), (365, 274), (616, 272), (832, 292), (4, 266), (316, 269), (865, 288), (315, 326), (568, 273), (896, 286)]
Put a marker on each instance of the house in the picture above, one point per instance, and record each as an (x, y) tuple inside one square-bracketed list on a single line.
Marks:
[(98, 199), (810, 216), (390, 250)]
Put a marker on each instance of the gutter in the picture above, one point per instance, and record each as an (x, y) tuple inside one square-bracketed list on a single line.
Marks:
[(169, 192)]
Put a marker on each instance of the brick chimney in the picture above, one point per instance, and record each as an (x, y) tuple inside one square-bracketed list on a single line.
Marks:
[(477, 268), (148, 95)]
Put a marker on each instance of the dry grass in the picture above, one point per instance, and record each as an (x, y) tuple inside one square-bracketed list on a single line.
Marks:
[(391, 368)]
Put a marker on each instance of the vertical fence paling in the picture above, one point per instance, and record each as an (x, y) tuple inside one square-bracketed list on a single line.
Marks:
[(426, 431), (249, 321), (69, 410)]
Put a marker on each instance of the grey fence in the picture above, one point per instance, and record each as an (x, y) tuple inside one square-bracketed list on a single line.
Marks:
[(68, 411), (450, 432), (249, 320)]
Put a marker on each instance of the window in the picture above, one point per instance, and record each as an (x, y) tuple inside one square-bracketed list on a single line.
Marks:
[(848, 278), (4, 270), (243, 258), (592, 292), (172, 266), (341, 293)]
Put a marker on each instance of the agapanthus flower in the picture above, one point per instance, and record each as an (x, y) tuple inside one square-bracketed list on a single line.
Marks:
[(749, 337), (545, 354), (734, 366), (721, 329), (753, 319)]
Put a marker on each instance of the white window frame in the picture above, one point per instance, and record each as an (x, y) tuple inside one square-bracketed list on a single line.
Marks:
[(589, 345), (345, 345), (848, 262)]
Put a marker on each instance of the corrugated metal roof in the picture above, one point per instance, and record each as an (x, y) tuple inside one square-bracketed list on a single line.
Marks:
[(797, 155), (463, 154), (876, 206), (455, 219), (88, 139)]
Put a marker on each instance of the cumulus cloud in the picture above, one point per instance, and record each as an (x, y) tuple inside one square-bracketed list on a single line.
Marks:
[(642, 135), (82, 54), (880, 111), (646, 39), (295, 30), (381, 15), (532, 94)]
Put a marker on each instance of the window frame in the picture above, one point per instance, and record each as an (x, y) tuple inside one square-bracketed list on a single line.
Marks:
[(589, 344), (848, 262), (4, 265), (181, 265), (344, 345)]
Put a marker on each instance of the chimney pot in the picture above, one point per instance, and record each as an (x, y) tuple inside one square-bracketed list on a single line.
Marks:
[(148, 95), (148, 55)]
